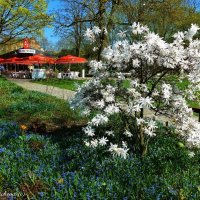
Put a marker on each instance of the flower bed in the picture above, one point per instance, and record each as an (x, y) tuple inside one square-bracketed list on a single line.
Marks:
[(44, 167)]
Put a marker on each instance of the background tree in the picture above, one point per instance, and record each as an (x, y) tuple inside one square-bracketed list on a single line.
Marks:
[(78, 15), (163, 17), (45, 43), (22, 18), (68, 24)]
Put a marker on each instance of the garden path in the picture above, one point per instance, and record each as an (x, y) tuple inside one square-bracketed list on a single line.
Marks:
[(51, 90)]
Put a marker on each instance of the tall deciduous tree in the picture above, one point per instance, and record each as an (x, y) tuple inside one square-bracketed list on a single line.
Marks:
[(68, 23), (163, 16), (21, 18), (80, 14)]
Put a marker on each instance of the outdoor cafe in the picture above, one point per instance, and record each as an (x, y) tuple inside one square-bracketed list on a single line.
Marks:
[(29, 63)]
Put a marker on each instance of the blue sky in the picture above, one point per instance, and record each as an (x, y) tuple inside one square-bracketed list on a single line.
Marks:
[(52, 5)]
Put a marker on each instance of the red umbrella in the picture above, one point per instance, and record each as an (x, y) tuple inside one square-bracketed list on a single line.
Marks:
[(21, 61), (15, 60), (70, 59), (39, 59), (1, 60), (10, 60)]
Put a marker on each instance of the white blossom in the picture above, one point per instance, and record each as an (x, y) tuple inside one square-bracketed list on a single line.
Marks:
[(140, 121), (135, 108), (136, 63), (134, 83), (108, 53), (191, 154), (94, 143), (146, 102), (100, 103), (118, 151), (86, 112), (192, 31), (109, 133), (103, 141), (148, 60), (89, 35), (166, 91), (149, 132), (89, 131), (87, 144), (111, 109), (122, 34), (124, 145), (137, 28), (99, 119), (152, 125), (128, 133), (95, 49), (96, 30), (179, 36)]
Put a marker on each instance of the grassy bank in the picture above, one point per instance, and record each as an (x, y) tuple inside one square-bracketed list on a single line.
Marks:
[(40, 111)]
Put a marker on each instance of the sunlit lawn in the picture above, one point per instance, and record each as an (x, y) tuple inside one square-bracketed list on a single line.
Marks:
[(33, 108), (61, 83)]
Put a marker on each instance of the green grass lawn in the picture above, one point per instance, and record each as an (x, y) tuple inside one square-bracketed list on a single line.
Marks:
[(184, 85), (33, 108), (61, 83)]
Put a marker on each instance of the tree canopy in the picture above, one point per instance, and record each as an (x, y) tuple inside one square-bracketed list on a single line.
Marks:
[(163, 17), (22, 18)]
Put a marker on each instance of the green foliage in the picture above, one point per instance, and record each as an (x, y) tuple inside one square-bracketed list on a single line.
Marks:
[(22, 17), (182, 85), (164, 17)]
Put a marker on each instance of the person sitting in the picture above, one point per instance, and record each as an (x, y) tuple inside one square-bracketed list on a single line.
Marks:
[(2, 69)]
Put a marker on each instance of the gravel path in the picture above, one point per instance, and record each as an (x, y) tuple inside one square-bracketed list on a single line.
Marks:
[(51, 90)]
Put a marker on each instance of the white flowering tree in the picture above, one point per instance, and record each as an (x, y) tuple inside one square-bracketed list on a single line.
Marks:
[(130, 79)]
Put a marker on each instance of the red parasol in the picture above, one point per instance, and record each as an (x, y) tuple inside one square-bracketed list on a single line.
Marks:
[(11, 60), (70, 59), (21, 61), (38, 59), (1, 60)]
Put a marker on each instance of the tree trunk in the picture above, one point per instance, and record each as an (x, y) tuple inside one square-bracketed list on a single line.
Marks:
[(102, 26), (143, 147)]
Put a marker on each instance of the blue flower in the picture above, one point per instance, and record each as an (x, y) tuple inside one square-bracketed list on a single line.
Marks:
[(2, 150), (41, 194)]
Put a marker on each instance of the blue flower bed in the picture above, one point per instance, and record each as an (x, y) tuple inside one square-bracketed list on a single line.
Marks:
[(54, 167)]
